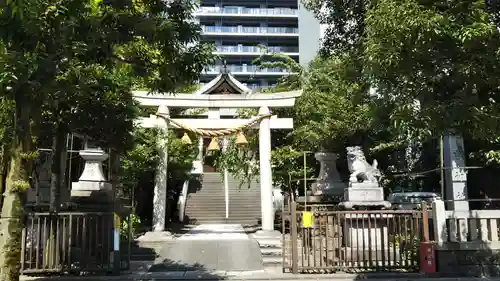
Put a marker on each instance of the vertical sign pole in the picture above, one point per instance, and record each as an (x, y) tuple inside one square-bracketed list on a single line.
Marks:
[(305, 178), (116, 243)]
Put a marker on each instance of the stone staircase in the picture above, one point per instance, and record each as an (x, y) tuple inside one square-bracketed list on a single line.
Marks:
[(206, 202), (271, 249)]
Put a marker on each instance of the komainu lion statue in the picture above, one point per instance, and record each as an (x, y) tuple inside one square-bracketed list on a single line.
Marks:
[(360, 170)]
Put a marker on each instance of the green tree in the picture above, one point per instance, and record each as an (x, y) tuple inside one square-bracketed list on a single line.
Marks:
[(438, 62), (138, 166), (345, 20), (270, 59), (334, 109), (45, 44), (334, 106)]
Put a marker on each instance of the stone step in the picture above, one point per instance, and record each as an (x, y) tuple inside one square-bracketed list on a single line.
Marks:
[(243, 210), (223, 218), (233, 204), (220, 175), (231, 186), (223, 205), (207, 221), (234, 183), (250, 201), (220, 179), (231, 201), (223, 215), (237, 197), (215, 200), (218, 191), (233, 197), (219, 209), (272, 260), (207, 211), (271, 251), (231, 215), (231, 189), (208, 204), (270, 243), (239, 210), (237, 205), (221, 191)]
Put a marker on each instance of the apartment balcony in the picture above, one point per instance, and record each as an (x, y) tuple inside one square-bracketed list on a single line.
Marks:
[(245, 69), (259, 86), (250, 31), (247, 12), (241, 50)]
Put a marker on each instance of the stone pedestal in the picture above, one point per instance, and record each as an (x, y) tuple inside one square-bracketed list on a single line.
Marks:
[(367, 238), (364, 195), (363, 231), (92, 187), (328, 183)]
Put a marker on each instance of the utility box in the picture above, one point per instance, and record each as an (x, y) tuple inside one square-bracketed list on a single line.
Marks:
[(427, 257)]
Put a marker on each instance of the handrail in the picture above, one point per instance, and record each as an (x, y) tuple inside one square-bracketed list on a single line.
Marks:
[(181, 203)]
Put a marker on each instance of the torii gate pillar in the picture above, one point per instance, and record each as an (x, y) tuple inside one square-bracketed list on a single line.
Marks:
[(266, 181)]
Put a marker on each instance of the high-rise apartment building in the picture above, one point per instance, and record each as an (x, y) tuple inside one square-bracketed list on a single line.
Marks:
[(238, 27)]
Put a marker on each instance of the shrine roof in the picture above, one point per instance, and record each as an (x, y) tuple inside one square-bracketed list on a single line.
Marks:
[(223, 91), (224, 84)]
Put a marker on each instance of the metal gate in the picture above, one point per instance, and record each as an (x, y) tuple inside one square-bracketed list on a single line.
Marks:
[(73, 242), (352, 241)]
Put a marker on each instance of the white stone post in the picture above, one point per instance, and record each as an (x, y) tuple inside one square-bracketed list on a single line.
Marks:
[(161, 177), (226, 178), (266, 188), (439, 217), (198, 163), (455, 173)]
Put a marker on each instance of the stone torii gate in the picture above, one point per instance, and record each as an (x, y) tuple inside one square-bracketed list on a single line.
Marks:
[(223, 92)]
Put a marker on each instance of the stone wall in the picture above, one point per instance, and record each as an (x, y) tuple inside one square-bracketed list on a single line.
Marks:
[(468, 241), (470, 263), (472, 259)]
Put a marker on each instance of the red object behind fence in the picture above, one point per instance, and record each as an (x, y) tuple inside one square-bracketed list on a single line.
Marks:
[(427, 257)]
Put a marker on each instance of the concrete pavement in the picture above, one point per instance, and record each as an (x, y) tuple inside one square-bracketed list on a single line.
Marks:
[(209, 247), (258, 275)]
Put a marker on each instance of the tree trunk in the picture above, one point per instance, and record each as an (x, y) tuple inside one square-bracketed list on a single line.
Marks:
[(3, 171), (20, 167), (57, 173), (56, 184), (11, 223)]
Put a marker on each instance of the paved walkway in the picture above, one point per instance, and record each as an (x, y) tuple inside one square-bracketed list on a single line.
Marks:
[(215, 232), (209, 247), (257, 276)]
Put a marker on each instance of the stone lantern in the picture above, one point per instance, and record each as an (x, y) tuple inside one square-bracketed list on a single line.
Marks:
[(92, 184), (328, 182)]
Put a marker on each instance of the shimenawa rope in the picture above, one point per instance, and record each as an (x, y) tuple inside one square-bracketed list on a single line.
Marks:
[(216, 133)]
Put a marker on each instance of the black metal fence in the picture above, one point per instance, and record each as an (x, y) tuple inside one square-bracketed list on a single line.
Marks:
[(73, 242), (352, 241)]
